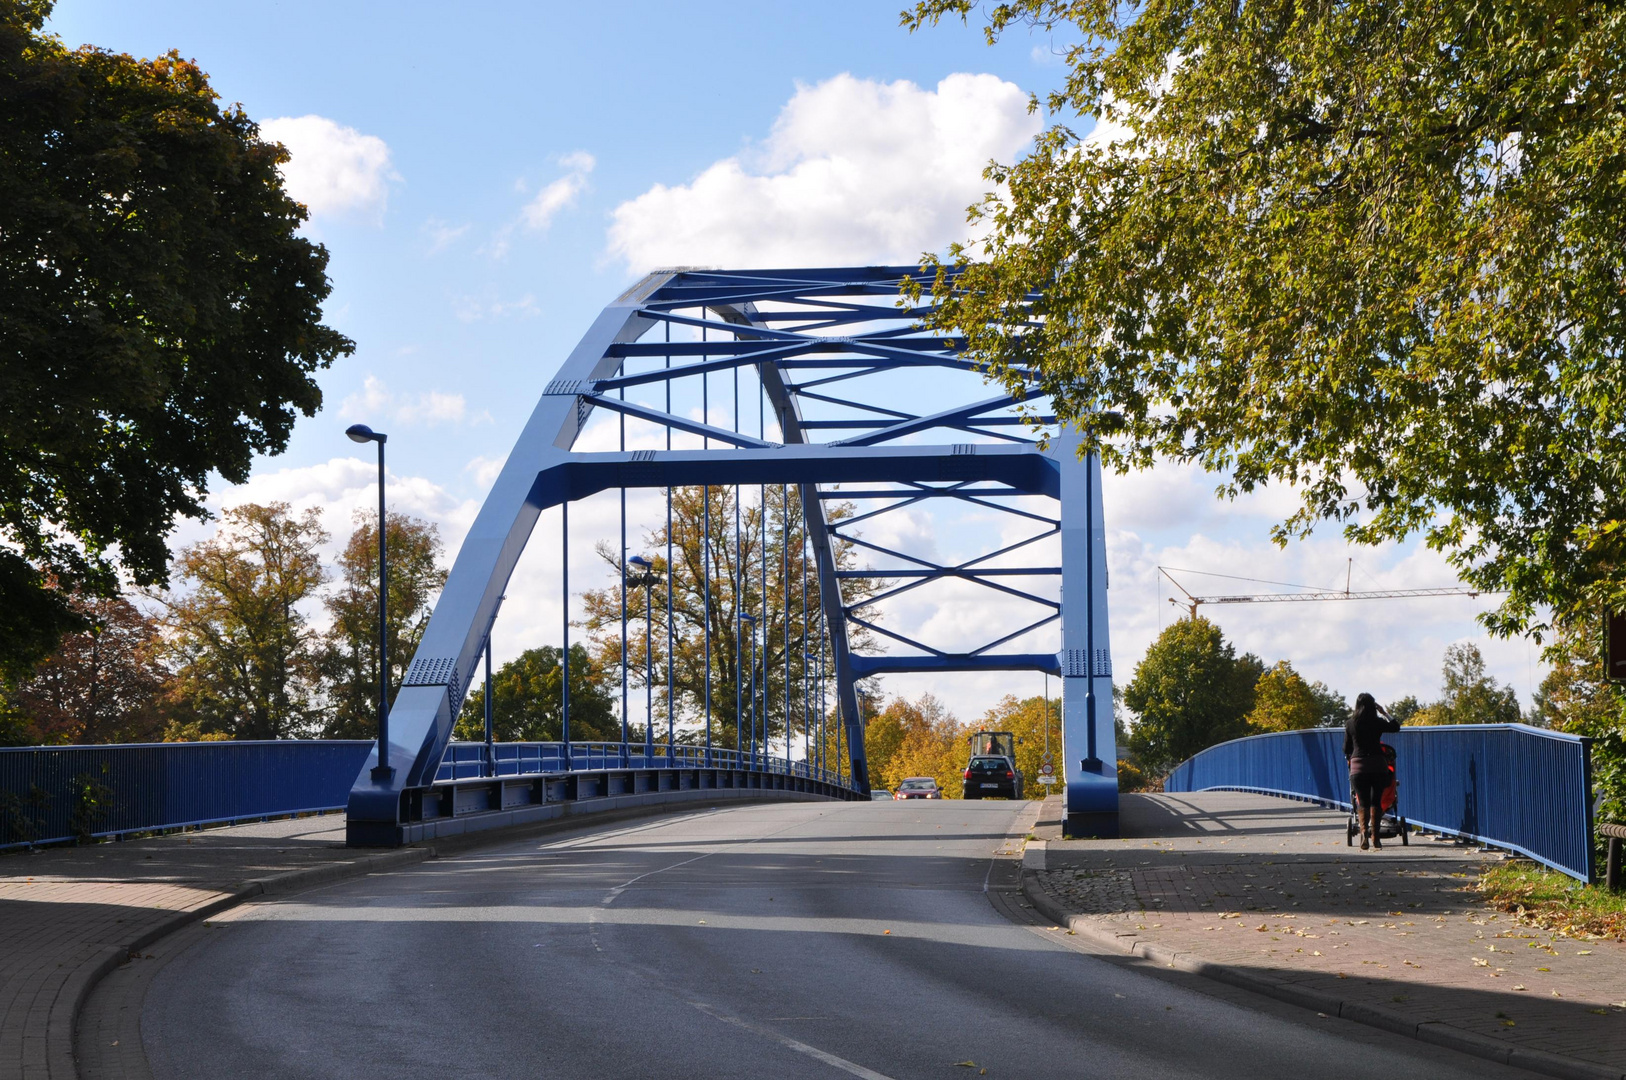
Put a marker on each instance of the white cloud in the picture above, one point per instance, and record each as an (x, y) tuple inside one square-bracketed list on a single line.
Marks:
[(334, 170), (474, 308), (483, 471), (427, 408), (562, 193), (855, 171), (441, 234)]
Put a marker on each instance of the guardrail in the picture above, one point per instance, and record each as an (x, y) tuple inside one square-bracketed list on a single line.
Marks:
[(468, 760), (50, 794), (1505, 785)]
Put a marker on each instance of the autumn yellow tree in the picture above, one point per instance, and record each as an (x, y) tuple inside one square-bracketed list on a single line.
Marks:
[(1283, 701), (915, 738)]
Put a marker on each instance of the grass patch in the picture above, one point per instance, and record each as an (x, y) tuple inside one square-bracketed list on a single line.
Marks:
[(1555, 901)]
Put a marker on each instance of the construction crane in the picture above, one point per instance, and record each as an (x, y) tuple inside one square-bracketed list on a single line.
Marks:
[(1191, 603)]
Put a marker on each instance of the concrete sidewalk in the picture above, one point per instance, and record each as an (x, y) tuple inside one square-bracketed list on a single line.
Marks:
[(70, 915), (1264, 893)]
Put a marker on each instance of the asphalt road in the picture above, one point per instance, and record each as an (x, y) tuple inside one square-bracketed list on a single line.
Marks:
[(779, 940)]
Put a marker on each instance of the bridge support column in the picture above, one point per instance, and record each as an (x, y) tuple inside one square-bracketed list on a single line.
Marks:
[(1089, 749)]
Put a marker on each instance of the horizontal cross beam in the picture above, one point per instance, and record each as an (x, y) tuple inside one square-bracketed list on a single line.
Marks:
[(1022, 468), (864, 666)]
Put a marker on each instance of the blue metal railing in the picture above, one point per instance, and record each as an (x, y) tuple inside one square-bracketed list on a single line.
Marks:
[(49, 794), (1507, 785), (467, 760), (54, 793)]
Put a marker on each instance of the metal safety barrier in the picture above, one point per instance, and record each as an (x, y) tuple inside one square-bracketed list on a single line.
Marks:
[(1504, 785), (469, 760), (50, 794)]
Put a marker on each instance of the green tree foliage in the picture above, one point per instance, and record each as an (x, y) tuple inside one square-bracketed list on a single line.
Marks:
[(1370, 249), (1406, 709), (1189, 692), (525, 701), (1331, 708), (1283, 701), (790, 622), (1468, 694), (244, 656), (349, 656), (160, 314), (101, 685)]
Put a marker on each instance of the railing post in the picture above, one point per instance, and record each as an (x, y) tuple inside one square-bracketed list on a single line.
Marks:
[(1611, 873)]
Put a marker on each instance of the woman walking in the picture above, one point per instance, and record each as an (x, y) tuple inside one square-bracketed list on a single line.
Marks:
[(1368, 769)]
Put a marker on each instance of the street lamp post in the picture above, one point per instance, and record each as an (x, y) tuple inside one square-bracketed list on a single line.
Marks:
[(750, 622), (361, 433), (647, 578)]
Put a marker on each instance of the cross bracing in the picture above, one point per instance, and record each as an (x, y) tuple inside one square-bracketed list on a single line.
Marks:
[(813, 395)]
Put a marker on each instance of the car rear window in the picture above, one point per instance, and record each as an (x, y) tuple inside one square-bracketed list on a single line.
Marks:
[(989, 763)]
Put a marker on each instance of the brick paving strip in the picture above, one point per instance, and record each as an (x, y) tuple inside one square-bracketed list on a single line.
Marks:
[(68, 916), (1263, 893)]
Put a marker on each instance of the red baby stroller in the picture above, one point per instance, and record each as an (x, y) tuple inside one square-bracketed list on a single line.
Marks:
[(1390, 823)]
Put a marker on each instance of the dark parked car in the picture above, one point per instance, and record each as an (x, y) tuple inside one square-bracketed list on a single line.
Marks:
[(879, 794), (988, 775), (919, 787)]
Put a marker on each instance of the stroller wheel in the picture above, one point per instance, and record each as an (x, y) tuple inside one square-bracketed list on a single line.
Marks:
[(1349, 833), (1405, 833)]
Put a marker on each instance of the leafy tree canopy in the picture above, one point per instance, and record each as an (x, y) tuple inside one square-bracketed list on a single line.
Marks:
[(1330, 705), (1189, 692), (1468, 694), (526, 701), (160, 316), (102, 684), (1368, 249), (244, 656), (349, 656), (1283, 701)]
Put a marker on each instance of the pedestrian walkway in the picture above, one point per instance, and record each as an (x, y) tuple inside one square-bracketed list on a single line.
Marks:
[(1264, 892), (69, 915)]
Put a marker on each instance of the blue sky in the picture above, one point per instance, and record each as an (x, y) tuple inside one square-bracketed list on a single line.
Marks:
[(488, 176)]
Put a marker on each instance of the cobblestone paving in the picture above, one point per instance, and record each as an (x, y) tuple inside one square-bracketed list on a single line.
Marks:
[(1268, 886)]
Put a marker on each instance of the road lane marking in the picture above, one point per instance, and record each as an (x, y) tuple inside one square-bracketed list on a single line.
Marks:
[(792, 1044)]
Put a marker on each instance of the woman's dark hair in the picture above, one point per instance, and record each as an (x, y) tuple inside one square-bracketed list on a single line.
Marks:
[(1366, 709)]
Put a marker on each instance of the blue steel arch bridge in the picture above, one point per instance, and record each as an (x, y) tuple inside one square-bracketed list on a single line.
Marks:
[(787, 392)]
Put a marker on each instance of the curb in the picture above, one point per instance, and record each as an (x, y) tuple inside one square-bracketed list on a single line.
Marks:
[(1432, 1031)]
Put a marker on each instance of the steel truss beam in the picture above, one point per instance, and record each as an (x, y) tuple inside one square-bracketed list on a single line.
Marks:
[(794, 333)]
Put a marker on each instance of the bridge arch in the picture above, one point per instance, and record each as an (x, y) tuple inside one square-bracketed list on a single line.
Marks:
[(831, 351)]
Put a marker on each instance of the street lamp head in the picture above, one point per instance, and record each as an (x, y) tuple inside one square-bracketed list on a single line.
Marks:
[(361, 433), (641, 563), (752, 619)]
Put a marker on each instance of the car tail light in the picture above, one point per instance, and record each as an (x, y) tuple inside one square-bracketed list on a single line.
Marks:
[(968, 774), (1009, 775)]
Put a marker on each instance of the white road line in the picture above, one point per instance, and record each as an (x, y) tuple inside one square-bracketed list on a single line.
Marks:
[(793, 1044)]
